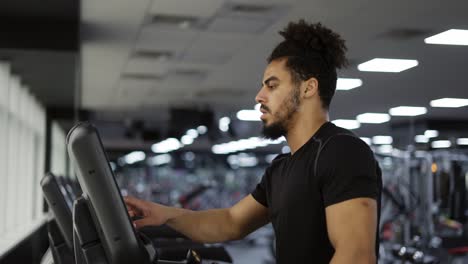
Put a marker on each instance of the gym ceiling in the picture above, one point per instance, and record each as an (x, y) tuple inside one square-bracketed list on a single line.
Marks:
[(137, 59)]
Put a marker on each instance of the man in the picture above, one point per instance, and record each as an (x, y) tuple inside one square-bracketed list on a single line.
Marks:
[(323, 198)]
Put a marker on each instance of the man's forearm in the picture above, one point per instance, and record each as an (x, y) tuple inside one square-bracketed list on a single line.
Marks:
[(208, 226)]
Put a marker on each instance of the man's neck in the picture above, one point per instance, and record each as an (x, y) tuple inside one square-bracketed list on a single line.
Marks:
[(303, 129)]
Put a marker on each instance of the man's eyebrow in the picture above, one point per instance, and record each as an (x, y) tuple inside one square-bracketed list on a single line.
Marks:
[(272, 78)]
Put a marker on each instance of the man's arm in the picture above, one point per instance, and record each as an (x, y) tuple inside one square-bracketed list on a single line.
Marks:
[(351, 227), (208, 226)]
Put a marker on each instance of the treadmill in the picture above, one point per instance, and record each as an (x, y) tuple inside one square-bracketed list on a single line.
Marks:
[(103, 231), (60, 228)]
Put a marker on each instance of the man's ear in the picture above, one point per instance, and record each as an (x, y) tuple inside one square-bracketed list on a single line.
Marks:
[(310, 87)]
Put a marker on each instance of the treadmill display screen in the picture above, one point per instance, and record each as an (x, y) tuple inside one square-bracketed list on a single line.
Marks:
[(101, 191)]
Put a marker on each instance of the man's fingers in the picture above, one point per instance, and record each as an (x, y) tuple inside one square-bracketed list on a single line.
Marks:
[(131, 213), (134, 204), (142, 223)]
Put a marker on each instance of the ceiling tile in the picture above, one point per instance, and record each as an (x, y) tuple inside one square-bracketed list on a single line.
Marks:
[(153, 37), (237, 25), (196, 8), (147, 66), (135, 87), (215, 48)]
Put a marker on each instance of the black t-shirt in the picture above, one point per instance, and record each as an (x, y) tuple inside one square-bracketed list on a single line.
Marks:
[(296, 196)]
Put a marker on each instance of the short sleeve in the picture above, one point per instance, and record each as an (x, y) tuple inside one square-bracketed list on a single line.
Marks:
[(259, 192), (347, 169)]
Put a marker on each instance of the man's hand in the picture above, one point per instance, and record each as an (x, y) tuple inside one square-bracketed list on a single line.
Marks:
[(209, 226), (151, 214)]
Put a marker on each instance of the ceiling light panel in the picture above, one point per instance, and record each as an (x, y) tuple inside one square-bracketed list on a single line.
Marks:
[(347, 123), (382, 140), (202, 8), (462, 141), (387, 65), (249, 115), (449, 102), (421, 139), (449, 37), (441, 144), (347, 83), (373, 118), (431, 133), (407, 111)]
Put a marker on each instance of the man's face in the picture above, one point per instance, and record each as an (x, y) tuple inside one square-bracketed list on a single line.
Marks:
[(279, 99)]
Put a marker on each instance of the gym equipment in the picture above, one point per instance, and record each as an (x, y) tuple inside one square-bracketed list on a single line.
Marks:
[(60, 229), (102, 208)]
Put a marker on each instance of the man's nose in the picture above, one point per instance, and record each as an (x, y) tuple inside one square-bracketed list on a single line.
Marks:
[(260, 97)]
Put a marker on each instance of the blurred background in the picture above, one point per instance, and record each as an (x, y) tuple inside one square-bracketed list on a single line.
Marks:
[(170, 85)]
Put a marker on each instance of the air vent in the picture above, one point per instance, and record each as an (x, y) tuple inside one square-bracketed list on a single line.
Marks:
[(142, 77), (251, 9), (270, 13), (181, 22), (189, 72), (405, 33), (159, 55)]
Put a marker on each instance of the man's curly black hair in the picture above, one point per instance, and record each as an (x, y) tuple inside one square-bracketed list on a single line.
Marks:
[(312, 50)]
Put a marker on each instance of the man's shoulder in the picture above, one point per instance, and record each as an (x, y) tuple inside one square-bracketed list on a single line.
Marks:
[(280, 158), (331, 131), (340, 140)]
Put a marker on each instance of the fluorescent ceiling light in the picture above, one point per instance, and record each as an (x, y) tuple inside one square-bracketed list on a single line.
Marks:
[(367, 140), (242, 160), (431, 133), (462, 141), (134, 156), (373, 118), (421, 139), (386, 149), (159, 160), (186, 140), (449, 37), (387, 65), (257, 106), (242, 144), (449, 102), (441, 144), (202, 130), (224, 123), (167, 145), (382, 140), (347, 123), (193, 133), (249, 115), (407, 111), (348, 83)]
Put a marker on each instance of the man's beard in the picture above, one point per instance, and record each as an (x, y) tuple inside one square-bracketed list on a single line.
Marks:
[(283, 118)]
